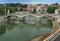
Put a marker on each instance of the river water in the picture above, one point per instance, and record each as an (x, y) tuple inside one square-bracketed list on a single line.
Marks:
[(22, 31)]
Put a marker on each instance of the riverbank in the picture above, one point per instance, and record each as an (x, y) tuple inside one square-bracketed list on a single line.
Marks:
[(54, 29)]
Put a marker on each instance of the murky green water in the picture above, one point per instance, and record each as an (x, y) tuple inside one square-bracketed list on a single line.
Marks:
[(15, 31)]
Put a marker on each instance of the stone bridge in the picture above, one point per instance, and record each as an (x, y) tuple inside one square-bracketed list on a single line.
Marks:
[(22, 16)]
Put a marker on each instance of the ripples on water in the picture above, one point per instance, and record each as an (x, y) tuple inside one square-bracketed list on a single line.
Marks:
[(22, 31)]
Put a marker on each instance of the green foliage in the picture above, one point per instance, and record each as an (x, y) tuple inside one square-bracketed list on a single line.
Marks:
[(2, 10), (16, 9), (11, 9), (20, 9), (34, 11), (51, 9)]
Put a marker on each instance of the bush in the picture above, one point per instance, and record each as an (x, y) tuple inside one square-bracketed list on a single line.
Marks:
[(51, 9)]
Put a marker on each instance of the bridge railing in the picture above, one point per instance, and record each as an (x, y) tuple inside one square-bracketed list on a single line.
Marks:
[(52, 36)]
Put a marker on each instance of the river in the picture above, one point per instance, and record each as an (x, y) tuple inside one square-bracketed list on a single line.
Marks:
[(22, 31)]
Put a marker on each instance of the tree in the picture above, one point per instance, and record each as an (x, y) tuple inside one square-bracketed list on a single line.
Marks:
[(51, 9), (46, 4), (21, 9), (2, 10), (16, 9), (34, 11), (56, 3), (11, 9)]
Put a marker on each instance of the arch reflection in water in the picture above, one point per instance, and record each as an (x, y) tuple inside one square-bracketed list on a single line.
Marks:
[(30, 19), (45, 21)]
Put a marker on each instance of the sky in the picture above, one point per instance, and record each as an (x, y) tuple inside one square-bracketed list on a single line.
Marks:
[(31, 1)]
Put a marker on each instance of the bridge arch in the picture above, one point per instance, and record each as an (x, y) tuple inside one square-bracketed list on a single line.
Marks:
[(48, 17), (22, 17), (10, 17)]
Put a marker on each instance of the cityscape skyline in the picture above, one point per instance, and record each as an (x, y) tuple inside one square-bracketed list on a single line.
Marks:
[(31, 1)]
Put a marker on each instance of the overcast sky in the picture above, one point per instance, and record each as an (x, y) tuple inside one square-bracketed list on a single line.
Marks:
[(31, 1)]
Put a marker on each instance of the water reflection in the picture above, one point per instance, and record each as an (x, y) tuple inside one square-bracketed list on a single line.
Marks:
[(13, 31), (6, 27), (2, 29), (30, 19)]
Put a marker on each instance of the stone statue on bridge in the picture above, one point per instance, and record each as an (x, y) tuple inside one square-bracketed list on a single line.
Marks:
[(8, 11)]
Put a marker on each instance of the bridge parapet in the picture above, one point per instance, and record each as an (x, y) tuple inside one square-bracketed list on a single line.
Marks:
[(53, 36), (37, 16)]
